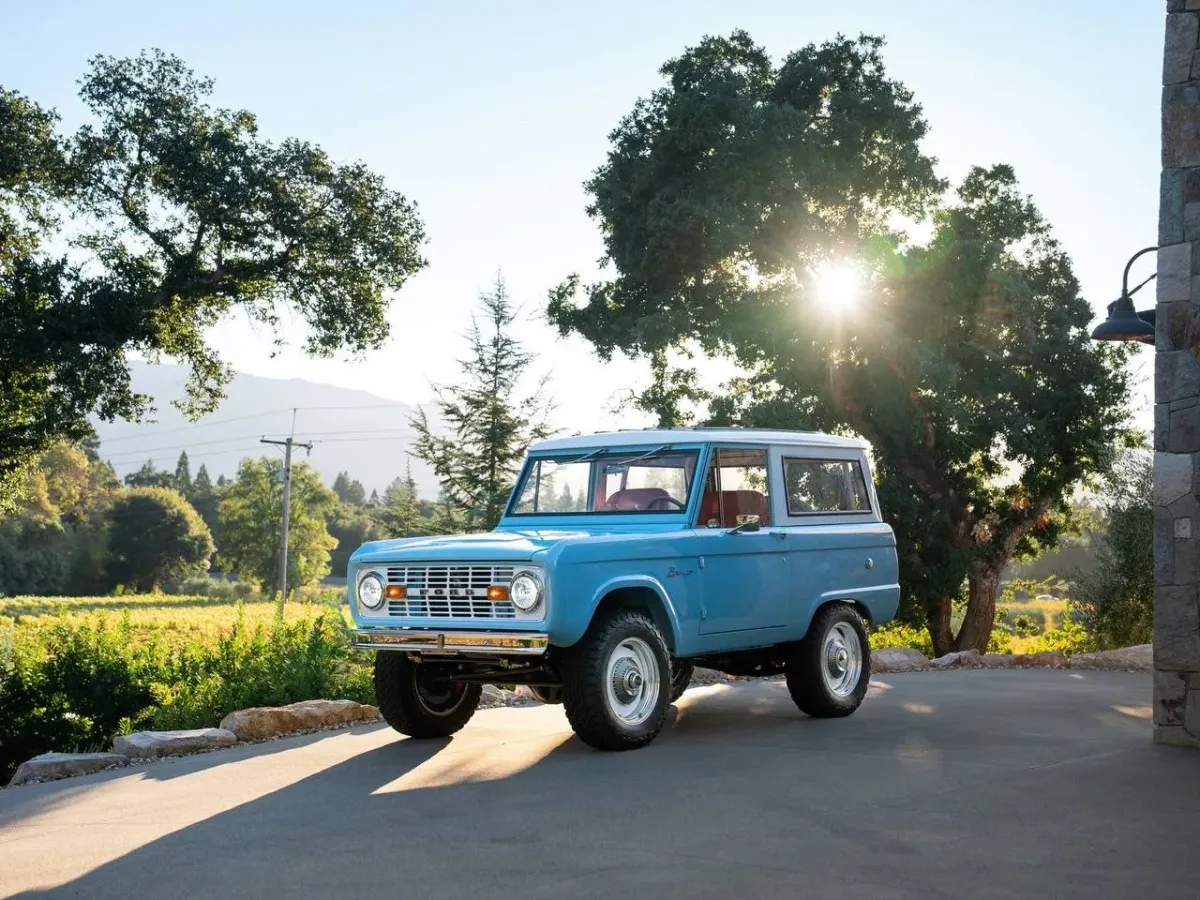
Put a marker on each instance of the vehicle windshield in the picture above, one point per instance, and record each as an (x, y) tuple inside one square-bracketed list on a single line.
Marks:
[(606, 480)]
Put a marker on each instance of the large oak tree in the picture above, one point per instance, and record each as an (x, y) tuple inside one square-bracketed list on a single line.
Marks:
[(967, 362), (176, 213)]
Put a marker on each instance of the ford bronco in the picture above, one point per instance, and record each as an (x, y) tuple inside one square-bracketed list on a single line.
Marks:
[(622, 561)]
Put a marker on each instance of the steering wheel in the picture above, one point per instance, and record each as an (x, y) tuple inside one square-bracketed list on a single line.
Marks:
[(650, 505)]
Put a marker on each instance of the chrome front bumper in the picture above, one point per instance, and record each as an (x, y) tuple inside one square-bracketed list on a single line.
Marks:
[(517, 643)]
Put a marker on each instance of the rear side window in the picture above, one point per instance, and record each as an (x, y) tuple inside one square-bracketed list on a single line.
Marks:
[(823, 486)]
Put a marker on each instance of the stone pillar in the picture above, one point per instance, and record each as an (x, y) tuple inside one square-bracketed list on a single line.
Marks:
[(1177, 390)]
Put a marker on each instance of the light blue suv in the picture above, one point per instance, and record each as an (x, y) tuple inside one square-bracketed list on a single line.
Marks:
[(623, 561)]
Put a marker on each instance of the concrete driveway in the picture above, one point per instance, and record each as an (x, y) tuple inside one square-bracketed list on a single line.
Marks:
[(950, 785)]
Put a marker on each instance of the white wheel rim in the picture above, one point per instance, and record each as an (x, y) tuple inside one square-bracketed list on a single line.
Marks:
[(632, 681), (842, 659)]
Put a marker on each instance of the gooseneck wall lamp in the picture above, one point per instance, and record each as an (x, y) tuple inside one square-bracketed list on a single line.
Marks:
[(1124, 323)]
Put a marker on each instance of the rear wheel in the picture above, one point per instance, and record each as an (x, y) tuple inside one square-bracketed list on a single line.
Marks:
[(617, 683), (547, 694), (417, 705), (681, 676), (828, 672)]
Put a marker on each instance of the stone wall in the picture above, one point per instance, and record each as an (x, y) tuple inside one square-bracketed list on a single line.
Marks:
[(1177, 390)]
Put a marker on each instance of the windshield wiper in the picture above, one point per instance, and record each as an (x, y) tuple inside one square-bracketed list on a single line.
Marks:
[(647, 455)]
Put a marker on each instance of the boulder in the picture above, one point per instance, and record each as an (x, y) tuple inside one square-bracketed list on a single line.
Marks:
[(1046, 659), (963, 659), (153, 744), (998, 661), (52, 766), (898, 659), (1125, 659), (308, 715)]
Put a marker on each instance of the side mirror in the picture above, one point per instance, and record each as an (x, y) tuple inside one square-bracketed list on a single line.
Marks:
[(748, 526)]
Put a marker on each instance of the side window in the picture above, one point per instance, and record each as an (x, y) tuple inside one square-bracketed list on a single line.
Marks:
[(816, 486), (735, 489)]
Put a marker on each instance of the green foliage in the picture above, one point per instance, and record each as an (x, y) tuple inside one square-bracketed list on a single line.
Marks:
[(67, 688), (1070, 637), (155, 537), (53, 539), (1115, 600), (491, 427), (898, 634), (400, 512), (75, 685), (181, 213), (349, 491), (148, 476), (250, 518), (350, 526), (967, 362)]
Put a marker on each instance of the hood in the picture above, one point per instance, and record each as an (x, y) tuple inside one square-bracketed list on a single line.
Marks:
[(515, 546)]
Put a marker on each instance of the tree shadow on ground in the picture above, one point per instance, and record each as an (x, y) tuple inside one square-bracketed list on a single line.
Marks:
[(741, 796)]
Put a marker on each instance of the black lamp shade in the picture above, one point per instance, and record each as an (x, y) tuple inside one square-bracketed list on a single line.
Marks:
[(1124, 324)]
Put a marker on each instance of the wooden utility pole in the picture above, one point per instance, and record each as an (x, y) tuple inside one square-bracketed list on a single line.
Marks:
[(287, 502)]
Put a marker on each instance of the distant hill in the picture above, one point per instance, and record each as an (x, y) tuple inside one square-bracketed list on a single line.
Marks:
[(353, 431)]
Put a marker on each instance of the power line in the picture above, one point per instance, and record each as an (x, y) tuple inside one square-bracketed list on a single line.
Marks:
[(201, 455), (257, 415), (134, 437), (139, 452)]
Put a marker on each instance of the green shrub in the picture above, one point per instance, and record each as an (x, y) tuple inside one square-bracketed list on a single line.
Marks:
[(1069, 638), (75, 684), (897, 634)]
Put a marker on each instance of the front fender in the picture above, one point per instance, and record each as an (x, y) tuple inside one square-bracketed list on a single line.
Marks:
[(666, 616)]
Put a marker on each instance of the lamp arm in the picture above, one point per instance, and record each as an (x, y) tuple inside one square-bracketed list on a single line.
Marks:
[(1129, 265)]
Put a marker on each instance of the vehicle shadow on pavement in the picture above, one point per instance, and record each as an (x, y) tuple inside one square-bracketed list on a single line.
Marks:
[(941, 787)]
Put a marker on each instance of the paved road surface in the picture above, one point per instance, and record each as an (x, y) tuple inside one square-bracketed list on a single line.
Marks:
[(1015, 784)]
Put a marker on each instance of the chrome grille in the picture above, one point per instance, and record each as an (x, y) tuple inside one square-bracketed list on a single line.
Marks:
[(450, 591)]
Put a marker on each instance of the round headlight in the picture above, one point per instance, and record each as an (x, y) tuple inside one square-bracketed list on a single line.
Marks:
[(525, 592), (370, 592)]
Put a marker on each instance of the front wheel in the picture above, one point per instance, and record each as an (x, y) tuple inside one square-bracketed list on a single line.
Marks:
[(417, 705), (617, 683), (828, 672)]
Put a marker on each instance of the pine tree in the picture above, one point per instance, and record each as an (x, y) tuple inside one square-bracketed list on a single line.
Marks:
[(202, 484), (373, 500), (400, 514), (491, 426), (183, 474), (149, 476)]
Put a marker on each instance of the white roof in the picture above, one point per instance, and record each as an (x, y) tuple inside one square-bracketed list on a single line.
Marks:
[(651, 437)]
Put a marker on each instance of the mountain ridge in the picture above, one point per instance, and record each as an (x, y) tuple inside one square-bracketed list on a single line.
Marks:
[(352, 430)]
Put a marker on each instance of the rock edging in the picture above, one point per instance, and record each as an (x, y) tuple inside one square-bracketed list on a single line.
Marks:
[(53, 766), (261, 722), (156, 744)]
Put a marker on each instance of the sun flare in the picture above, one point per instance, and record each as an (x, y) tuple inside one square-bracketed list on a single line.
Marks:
[(839, 285)]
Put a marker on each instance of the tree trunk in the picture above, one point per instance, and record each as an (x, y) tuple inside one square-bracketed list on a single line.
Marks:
[(982, 587), (937, 617)]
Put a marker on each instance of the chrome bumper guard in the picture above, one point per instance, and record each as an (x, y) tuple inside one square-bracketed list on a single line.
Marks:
[(518, 643)]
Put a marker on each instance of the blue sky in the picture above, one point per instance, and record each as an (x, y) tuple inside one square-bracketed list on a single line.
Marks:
[(491, 115)]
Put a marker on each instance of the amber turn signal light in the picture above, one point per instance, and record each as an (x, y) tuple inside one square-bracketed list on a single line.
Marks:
[(395, 591), (497, 592)]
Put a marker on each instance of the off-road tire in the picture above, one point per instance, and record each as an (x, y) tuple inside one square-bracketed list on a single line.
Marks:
[(550, 695), (804, 668), (584, 669), (402, 707), (681, 676)]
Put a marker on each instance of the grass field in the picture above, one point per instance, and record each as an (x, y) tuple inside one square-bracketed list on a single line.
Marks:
[(171, 618)]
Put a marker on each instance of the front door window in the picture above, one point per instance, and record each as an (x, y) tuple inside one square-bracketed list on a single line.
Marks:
[(735, 489)]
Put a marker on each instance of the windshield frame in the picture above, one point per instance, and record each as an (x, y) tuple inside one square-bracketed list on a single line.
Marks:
[(619, 454)]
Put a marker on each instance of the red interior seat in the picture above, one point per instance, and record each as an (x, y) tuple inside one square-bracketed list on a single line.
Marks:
[(737, 503), (639, 499)]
